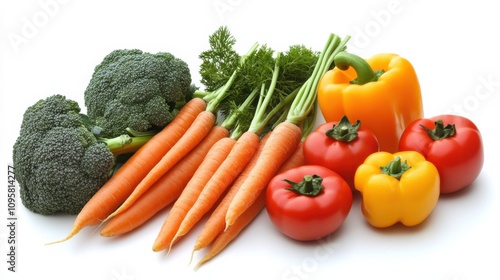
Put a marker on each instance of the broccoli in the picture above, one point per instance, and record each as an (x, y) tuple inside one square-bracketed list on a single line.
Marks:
[(60, 164), (137, 90)]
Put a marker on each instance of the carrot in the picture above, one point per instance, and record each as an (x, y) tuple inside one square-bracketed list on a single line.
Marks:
[(241, 153), (167, 189), (192, 137), (295, 160), (232, 232), (283, 141), (216, 223), (214, 228), (123, 182), (207, 168)]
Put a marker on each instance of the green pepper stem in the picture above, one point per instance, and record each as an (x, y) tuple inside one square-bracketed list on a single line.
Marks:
[(365, 74), (395, 168)]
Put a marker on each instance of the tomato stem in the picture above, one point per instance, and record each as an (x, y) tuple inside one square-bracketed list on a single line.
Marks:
[(344, 131), (440, 131), (309, 186), (395, 168)]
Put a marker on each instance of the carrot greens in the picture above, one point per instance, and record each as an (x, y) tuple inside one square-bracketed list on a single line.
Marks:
[(230, 78)]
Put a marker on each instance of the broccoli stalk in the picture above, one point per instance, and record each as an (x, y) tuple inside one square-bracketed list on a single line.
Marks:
[(125, 144), (60, 164)]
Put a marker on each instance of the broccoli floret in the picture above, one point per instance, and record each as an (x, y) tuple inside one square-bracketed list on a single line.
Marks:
[(59, 163), (137, 90)]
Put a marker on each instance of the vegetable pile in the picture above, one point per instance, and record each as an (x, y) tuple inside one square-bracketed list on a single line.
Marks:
[(63, 157), (419, 159), (245, 142)]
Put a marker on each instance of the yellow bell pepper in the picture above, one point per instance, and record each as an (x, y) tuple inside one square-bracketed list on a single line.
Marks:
[(383, 92), (400, 187)]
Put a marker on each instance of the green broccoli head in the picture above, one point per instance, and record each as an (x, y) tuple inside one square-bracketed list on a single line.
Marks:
[(137, 90), (59, 163)]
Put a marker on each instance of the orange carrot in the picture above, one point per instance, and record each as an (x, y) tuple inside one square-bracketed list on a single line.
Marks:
[(241, 153), (223, 238), (207, 168), (192, 137), (283, 141), (167, 189), (191, 193), (295, 160), (123, 182), (232, 232), (216, 223)]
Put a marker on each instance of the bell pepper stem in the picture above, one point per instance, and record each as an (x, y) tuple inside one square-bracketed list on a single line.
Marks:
[(395, 168), (365, 74)]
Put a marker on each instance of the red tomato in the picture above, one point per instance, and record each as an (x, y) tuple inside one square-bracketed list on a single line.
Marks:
[(326, 146), (454, 146), (308, 216)]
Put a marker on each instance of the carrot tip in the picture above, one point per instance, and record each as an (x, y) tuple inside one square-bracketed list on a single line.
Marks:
[(73, 232), (106, 233), (192, 254), (155, 249), (202, 261), (159, 246), (62, 240), (197, 266), (172, 243), (191, 258), (228, 224)]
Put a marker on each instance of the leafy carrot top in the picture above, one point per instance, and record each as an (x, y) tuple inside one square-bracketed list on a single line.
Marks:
[(232, 79)]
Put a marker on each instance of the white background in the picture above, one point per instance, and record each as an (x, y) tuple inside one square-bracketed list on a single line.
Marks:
[(50, 46)]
